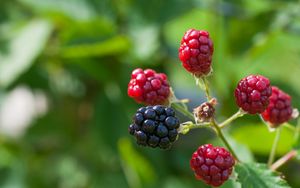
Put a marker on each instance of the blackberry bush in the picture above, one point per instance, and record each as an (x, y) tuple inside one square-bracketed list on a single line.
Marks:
[(157, 126)]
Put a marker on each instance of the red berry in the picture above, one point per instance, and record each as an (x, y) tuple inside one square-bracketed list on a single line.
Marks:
[(213, 165), (149, 87), (252, 94), (279, 109), (195, 52)]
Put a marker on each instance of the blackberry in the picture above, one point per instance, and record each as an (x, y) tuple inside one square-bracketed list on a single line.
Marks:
[(213, 165), (279, 109), (195, 52), (155, 126), (252, 94), (149, 87)]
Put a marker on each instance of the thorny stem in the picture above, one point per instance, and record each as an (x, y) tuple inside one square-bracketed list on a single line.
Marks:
[(290, 155), (221, 135), (238, 114), (274, 147)]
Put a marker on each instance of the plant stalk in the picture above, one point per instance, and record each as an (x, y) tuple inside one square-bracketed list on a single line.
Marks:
[(238, 114), (222, 137), (290, 155), (206, 88), (213, 121), (274, 147), (183, 111)]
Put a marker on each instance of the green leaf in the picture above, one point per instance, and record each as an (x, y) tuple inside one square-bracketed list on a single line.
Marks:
[(22, 50), (134, 164), (76, 9), (255, 134), (255, 175), (111, 46), (242, 151)]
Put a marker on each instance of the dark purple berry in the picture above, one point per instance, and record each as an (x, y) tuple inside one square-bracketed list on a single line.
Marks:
[(155, 126)]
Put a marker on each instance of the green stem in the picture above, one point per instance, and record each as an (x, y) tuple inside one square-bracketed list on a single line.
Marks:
[(183, 111), (274, 147), (290, 155), (221, 135), (289, 126), (187, 126), (206, 88), (213, 122), (297, 131), (238, 114)]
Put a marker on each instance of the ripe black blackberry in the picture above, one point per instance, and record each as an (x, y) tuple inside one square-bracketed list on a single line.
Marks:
[(155, 126)]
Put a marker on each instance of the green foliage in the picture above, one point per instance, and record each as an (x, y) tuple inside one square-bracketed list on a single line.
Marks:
[(254, 175), (79, 54), (22, 50), (261, 134)]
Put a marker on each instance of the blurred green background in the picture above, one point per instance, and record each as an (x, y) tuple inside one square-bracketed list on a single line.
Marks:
[(64, 70)]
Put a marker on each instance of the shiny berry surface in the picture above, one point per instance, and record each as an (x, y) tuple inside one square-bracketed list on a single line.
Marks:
[(148, 87), (279, 109), (155, 126), (212, 165), (252, 94), (195, 52)]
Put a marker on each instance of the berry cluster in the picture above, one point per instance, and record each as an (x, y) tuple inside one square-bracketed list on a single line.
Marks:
[(212, 164), (155, 126), (195, 52), (252, 94), (279, 109), (149, 87)]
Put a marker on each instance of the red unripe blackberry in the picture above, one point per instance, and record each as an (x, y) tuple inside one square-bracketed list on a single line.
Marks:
[(195, 52), (252, 94), (155, 126), (148, 87), (279, 109), (213, 165)]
